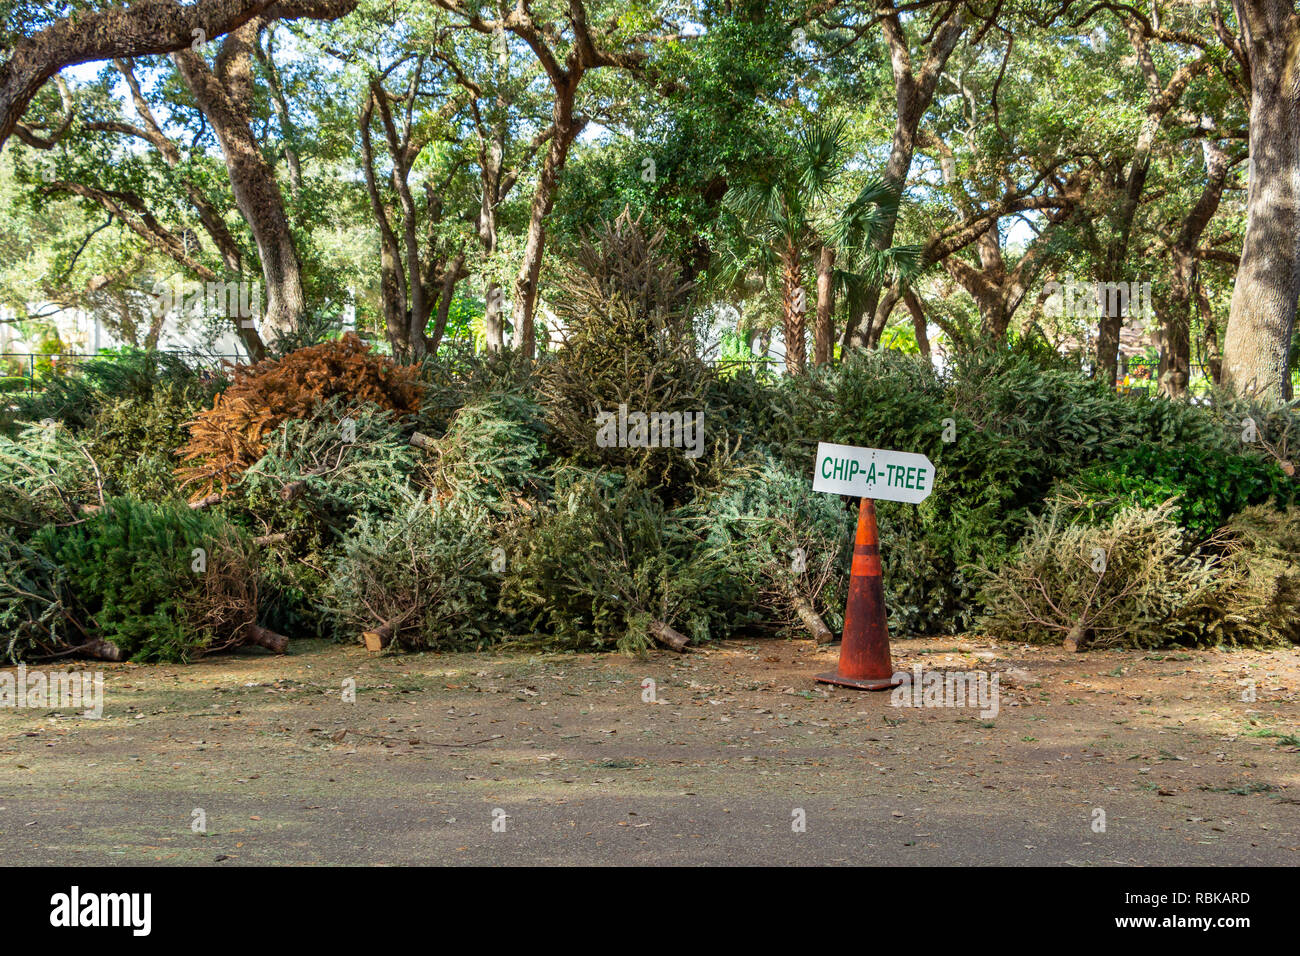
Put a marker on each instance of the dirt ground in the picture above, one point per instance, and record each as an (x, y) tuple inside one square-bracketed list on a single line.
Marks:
[(523, 758)]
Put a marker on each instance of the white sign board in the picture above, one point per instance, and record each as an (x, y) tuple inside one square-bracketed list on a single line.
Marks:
[(873, 473)]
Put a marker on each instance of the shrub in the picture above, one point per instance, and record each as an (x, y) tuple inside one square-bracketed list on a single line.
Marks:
[(926, 551), (1038, 399), (1210, 486), (1270, 431), (785, 547), (1263, 549), (492, 453), (988, 479), (338, 462), (79, 396), (879, 399), (628, 341), (231, 435), (1003, 424), (426, 573), (457, 377), (750, 414), (292, 599), (33, 618), (1004, 427), (318, 475)]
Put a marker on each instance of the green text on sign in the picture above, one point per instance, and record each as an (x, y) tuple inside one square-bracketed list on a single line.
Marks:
[(873, 473)]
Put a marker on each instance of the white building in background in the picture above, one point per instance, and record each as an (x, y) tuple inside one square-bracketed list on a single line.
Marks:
[(83, 332)]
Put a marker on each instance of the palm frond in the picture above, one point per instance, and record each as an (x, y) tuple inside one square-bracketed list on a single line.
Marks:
[(865, 218), (821, 153)]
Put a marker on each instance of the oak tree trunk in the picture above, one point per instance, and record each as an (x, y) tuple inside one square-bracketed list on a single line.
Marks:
[(524, 305), (140, 29), (913, 92), (1262, 316), (1174, 308), (257, 193), (491, 158)]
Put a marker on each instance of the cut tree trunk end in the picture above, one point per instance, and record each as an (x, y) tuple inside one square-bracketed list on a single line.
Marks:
[(1074, 639), (811, 619), (670, 638), (263, 637), (420, 440), (102, 650), (378, 638)]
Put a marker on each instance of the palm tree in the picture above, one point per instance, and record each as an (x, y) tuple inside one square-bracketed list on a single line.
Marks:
[(785, 206), (778, 205), (854, 237)]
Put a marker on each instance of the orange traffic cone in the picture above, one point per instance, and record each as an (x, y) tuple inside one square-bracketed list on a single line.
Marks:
[(864, 652)]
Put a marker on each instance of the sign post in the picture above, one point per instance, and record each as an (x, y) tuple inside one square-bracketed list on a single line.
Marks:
[(868, 473)]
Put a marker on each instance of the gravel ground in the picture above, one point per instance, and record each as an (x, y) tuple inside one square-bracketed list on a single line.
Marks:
[(740, 759)]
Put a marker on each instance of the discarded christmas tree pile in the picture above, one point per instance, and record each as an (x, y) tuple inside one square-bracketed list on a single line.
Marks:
[(620, 493), (133, 581), (231, 435), (47, 475), (341, 464), (89, 568)]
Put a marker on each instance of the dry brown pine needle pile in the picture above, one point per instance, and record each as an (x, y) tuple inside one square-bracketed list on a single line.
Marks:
[(230, 437)]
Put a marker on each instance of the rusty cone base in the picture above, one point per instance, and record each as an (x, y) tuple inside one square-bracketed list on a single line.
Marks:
[(864, 651)]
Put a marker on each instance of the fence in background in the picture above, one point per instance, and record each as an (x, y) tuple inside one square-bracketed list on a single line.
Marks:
[(28, 368), (1145, 377)]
